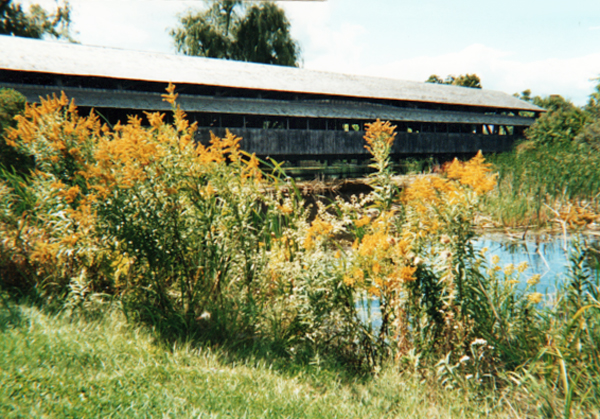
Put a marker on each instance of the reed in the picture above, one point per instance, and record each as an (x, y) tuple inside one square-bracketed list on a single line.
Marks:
[(207, 245)]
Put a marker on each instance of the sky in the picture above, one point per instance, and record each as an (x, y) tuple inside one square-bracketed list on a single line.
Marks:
[(546, 46)]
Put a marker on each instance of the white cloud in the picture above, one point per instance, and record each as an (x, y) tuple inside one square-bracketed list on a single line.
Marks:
[(570, 77), (330, 44), (324, 45)]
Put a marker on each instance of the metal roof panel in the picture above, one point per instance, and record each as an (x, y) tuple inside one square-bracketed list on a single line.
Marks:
[(23, 54)]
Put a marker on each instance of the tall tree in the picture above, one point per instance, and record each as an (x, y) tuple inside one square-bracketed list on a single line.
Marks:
[(230, 30), (263, 36), (466, 80), (37, 22), (562, 123), (593, 105)]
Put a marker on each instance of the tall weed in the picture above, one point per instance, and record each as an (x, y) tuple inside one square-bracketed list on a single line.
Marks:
[(208, 242)]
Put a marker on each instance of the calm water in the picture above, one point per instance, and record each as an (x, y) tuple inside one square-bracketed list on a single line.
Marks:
[(544, 255)]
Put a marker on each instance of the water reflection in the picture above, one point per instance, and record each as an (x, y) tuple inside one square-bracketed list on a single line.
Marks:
[(545, 255)]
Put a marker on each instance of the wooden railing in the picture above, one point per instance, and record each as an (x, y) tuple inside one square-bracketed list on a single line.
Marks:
[(321, 144)]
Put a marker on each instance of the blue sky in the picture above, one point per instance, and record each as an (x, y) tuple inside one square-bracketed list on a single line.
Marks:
[(548, 46)]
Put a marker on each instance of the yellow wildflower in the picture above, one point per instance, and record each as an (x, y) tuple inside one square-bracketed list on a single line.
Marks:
[(70, 240), (285, 209), (534, 280), (318, 228), (474, 173), (379, 134), (509, 269), (407, 273), (535, 297), (71, 194), (521, 267), (495, 259), (376, 268), (362, 222), (373, 290), (171, 96)]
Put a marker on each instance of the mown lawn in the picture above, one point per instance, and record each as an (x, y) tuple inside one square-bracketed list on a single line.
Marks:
[(66, 366)]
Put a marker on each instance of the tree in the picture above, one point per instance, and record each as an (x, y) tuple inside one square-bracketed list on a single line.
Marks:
[(562, 123), (466, 80), (230, 30), (12, 103), (525, 95), (593, 105), (37, 22)]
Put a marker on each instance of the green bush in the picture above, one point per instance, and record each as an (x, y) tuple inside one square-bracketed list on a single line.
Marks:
[(12, 103)]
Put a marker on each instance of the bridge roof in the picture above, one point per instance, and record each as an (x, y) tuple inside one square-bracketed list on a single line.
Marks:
[(28, 55), (100, 98)]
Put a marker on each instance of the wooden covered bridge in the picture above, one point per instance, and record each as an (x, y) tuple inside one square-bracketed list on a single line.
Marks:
[(281, 112)]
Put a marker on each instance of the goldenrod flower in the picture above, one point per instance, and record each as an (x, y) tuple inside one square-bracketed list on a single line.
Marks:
[(285, 209), (495, 259), (362, 222), (71, 194), (509, 269), (348, 280), (171, 96), (521, 267), (535, 297), (318, 228), (376, 268), (374, 291), (534, 280), (407, 273), (474, 173)]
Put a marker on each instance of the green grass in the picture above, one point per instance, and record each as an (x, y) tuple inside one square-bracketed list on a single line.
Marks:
[(65, 366)]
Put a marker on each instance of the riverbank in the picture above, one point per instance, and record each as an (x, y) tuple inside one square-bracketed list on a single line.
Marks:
[(68, 366), (564, 222)]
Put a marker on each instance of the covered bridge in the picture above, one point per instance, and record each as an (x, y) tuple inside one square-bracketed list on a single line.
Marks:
[(281, 112)]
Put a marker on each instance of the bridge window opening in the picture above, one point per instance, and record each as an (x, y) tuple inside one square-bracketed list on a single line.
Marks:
[(232, 121), (413, 128), (296, 123), (460, 128), (274, 123), (254, 121), (202, 119), (489, 129)]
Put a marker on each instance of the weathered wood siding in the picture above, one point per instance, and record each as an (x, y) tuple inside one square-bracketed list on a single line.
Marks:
[(321, 144)]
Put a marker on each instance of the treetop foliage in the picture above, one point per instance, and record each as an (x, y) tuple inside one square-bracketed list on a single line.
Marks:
[(12, 103), (231, 30), (562, 123), (37, 22), (464, 80)]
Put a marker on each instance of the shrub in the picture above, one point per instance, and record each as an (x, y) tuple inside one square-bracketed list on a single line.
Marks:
[(12, 103)]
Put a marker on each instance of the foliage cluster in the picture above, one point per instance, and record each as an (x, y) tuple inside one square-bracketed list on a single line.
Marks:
[(230, 30), (36, 23), (204, 241), (465, 80), (551, 177), (69, 366), (11, 104)]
